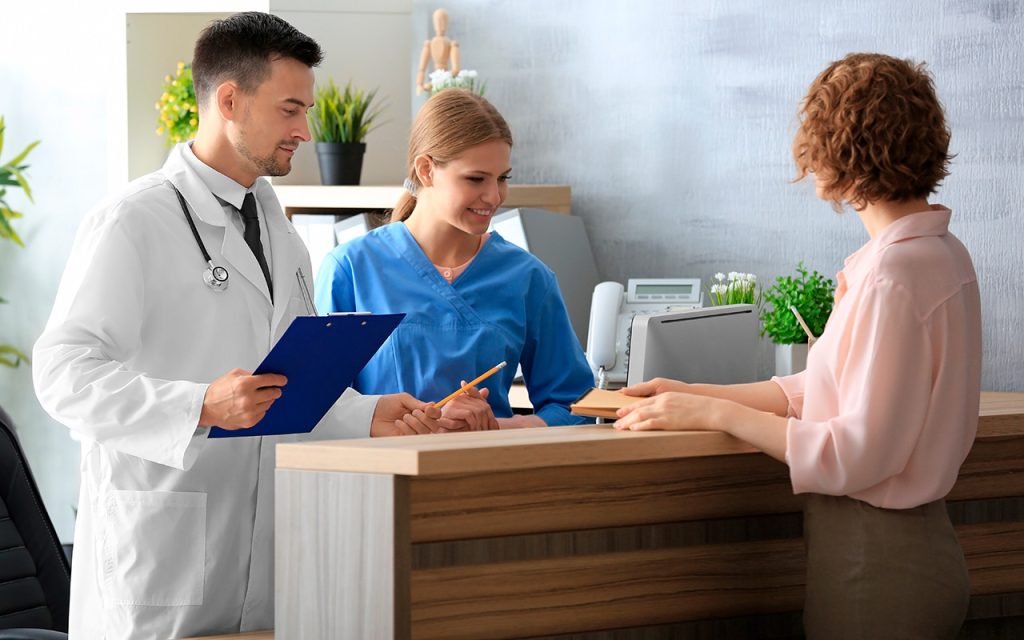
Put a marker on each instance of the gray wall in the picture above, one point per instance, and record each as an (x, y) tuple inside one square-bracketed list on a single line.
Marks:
[(672, 122)]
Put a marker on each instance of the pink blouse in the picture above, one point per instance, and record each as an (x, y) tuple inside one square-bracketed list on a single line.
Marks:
[(887, 408)]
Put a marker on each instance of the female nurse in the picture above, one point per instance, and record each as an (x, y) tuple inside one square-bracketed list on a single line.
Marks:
[(876, 427), (471, 298)]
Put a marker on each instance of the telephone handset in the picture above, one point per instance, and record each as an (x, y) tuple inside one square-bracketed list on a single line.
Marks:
[(612, 309), (602, 336)]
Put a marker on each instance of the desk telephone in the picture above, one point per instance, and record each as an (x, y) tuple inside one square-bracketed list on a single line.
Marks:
[(612, 310)]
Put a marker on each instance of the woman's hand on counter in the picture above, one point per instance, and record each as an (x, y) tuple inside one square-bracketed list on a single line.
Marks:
[(675, 411), (654, 387)]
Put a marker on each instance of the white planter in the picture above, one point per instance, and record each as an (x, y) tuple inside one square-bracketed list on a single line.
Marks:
[(790, 358)]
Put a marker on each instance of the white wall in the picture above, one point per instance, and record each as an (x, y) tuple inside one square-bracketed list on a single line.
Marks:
[(51, 88)]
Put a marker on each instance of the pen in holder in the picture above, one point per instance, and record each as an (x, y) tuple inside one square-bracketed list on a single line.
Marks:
[(803, 325)]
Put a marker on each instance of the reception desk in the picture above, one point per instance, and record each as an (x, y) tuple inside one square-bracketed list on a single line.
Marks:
[(541, 532)]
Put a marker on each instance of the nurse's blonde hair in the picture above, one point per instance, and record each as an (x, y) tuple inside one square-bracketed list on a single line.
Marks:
[(451, 121)]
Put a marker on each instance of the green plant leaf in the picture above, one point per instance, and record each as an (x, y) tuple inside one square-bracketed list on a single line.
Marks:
[(21, 156), (811, 293), (11, 357), (6, 230), (343, 116), (24, 185)]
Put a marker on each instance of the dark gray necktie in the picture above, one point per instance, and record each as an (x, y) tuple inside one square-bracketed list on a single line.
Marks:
[(252, 236)]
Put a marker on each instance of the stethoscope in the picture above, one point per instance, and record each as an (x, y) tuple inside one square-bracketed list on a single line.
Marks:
[(215, 276)]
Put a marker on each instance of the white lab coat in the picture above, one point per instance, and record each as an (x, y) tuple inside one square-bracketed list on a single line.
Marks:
[(174, 535)]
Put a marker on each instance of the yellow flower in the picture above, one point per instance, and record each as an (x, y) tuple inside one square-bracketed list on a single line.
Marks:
[(193, 122), (160, 131), (181, 66)]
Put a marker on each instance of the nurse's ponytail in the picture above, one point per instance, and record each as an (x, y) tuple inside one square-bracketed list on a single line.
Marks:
[(449, 123), (402, 210)]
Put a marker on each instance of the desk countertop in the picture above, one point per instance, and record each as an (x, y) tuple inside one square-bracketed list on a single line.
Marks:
[(1002, 415)]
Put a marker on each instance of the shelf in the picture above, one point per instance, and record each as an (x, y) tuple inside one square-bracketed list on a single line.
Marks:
[(331, 199)]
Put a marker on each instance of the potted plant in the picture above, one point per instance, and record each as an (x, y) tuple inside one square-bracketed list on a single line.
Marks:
[(811, 295), (339, 122), (179, 116), (12, 174)]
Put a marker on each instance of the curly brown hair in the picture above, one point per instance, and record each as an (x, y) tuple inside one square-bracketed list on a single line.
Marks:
[(872, 130)]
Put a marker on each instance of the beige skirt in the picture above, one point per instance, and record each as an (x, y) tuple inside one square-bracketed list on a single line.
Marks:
[(882, 573)]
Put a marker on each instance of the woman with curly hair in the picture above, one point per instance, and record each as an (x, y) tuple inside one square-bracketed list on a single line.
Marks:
[(877, 426)]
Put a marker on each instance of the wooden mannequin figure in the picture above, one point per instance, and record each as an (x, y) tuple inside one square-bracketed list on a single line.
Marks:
[(440, 49)]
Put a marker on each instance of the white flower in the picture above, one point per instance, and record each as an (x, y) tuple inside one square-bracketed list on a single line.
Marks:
[(751, 278), (719, 276), (719, 289), (467, 73), (440, 77), (733, 275)]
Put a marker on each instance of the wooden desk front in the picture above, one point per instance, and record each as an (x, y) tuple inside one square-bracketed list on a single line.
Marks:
[(547, 531)]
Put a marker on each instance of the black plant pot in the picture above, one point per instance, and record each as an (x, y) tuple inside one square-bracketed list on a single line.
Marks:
[(340, 162)]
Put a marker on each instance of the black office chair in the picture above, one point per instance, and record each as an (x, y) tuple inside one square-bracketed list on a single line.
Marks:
[(35, 580)]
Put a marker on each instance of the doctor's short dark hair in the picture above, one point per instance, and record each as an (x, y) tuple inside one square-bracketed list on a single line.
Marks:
[(872, 130), (241, 47)]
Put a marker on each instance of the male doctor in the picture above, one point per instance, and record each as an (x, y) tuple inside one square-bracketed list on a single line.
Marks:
[(163, 294)]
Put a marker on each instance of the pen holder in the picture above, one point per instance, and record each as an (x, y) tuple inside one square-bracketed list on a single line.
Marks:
[(790, 358)]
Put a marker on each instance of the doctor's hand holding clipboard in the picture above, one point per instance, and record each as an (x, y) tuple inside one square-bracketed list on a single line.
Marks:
[(306, 372)]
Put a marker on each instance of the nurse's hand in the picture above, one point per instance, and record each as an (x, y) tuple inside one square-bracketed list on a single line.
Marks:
[(400, 414), (469, 412), (672, 411), (654, 386), (238, 399)]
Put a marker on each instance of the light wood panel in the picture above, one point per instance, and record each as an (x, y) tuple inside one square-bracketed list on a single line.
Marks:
[(534, 448), (355, 524), (562, 595)]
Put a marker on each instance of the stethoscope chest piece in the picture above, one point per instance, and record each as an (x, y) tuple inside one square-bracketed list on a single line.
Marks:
[(216, 278)]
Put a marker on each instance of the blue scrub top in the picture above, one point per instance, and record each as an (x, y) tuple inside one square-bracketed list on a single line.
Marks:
[(506, 306)]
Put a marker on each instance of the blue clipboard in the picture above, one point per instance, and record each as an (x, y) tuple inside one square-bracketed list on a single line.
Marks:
[(321, 356)]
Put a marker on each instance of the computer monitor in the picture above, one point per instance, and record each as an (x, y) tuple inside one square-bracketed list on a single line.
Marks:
[(560, 242), (717, 345), (351, 227)]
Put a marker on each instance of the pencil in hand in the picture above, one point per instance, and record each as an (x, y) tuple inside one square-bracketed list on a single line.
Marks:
[(480, 378)]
